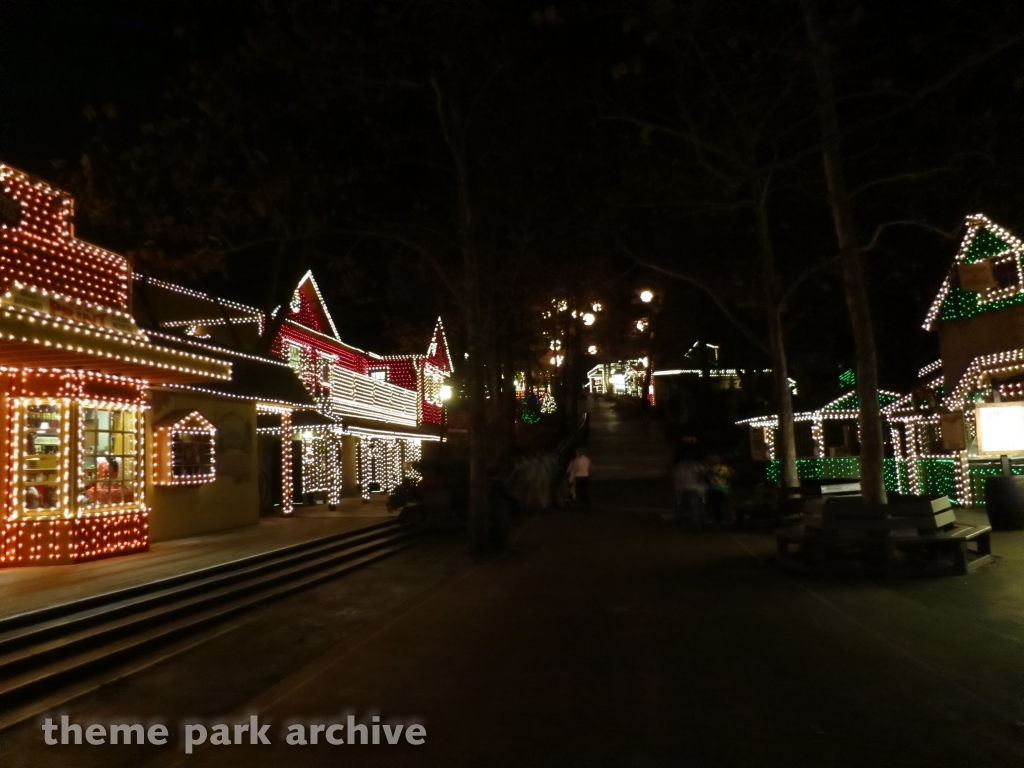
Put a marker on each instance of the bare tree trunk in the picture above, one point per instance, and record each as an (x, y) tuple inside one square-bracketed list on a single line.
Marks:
[(478, 520), (872, 441), (785, 440), (478, 516)]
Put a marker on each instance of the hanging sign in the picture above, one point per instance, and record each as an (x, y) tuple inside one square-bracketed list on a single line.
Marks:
[(954, 435), (758, 444), (977, 277)]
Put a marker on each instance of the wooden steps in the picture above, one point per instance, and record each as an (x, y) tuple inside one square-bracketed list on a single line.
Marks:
[(45, 650)]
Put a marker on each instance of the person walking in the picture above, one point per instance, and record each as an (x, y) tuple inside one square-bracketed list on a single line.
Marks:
[(688, 481), (720, 476), (579, 475)]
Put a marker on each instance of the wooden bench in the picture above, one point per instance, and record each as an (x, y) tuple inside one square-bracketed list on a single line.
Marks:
[(771, 501), (955, 538)]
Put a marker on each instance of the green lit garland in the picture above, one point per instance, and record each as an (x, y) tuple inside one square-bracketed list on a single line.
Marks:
[(960, 304), (852, 403), (976, 477), (937, 476)]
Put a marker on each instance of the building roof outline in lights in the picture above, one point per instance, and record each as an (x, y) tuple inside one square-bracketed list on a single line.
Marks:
[(185, 419), (308, 308), (438, 353), (984, 240), (38, 247)]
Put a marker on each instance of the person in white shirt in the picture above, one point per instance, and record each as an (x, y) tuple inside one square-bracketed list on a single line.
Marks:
[(579, 476)]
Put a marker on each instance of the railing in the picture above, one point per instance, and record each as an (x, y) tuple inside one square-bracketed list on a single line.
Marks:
[(353, 394)]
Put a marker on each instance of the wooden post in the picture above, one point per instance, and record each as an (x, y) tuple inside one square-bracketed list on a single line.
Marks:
[(287, 504)]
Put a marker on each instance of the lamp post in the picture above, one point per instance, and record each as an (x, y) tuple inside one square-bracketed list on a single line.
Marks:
[(647, 296)]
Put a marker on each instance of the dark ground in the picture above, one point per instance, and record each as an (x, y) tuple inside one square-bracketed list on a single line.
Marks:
[(602, 640), (608, 638)]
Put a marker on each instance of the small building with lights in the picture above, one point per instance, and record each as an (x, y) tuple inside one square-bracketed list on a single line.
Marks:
[(378, 409), (332, 420), (622, 377), (137, 410), (76, 373), (931, 432)]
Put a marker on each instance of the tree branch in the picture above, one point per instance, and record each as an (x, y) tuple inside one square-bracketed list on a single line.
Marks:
[(908, 176), (799, 279), (722, 306), (907, 222)]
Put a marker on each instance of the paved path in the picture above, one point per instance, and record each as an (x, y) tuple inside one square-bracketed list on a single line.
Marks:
[(603, 639), (624, 446), (27, 589)]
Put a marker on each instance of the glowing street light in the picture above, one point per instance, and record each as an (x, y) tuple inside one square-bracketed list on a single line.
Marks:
[(646, 296), (592, 350), (589, 318)]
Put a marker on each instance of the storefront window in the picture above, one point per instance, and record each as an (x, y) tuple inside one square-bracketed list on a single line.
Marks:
[(40, 483), (185, 445), (109, 462), (192, 456)]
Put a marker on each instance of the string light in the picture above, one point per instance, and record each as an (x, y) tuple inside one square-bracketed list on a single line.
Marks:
[(178, 435), (983, 241), (76, 438), (39, 248)]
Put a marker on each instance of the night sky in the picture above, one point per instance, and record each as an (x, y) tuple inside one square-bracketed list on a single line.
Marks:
[(232, 145)]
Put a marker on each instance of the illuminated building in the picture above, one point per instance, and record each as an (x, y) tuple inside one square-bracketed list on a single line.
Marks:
[(930, 432), (76, 374), (137, 410), (380, 407)]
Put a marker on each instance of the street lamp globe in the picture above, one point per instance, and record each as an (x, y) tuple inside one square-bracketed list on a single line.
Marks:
[(588, 318), (646, 296)]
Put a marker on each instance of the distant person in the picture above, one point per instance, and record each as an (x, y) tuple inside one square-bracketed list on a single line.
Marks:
[(579, 477), (688, 475), (719, 495)]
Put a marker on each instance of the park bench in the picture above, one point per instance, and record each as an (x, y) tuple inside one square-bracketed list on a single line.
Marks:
[(907, 523), (770, 501)]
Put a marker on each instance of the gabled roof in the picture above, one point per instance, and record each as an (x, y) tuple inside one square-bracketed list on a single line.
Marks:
[(850, 401), (984, 240), (307, 308), (438, 353), (184, 421)]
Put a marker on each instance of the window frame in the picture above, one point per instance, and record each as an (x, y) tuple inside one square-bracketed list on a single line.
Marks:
[(137, 483), (178, 424)]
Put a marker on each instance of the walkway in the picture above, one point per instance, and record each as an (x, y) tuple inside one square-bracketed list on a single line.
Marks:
[(27, 589), (623, 445), (601, 639)]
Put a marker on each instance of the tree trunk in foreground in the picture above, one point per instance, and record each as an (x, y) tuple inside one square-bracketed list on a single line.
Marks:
[(785, 441), (872, 450)]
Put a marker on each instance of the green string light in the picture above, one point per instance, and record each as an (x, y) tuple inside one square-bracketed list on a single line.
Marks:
[(852, 403), (960, 304), (937, 476)]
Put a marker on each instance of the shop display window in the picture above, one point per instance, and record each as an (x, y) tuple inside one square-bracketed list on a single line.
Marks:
[(43, 460), (186, 446), (109, 465)]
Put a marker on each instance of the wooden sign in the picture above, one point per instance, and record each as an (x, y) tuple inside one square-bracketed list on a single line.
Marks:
[(977, 277), (758, 444), (954, 435)]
